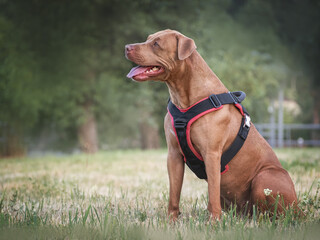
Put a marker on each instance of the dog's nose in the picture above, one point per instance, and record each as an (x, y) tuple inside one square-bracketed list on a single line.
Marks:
[(129, 48)]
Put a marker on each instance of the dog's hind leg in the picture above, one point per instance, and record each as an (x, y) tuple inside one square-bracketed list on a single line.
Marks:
[(273, 186)]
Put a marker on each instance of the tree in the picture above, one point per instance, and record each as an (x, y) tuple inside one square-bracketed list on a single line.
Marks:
[(299, 28), (62, 66)]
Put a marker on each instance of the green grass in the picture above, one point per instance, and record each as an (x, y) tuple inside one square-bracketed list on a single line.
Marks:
[(124, 195)]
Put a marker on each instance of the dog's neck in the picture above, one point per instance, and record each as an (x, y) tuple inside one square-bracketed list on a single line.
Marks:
[(194, 81)]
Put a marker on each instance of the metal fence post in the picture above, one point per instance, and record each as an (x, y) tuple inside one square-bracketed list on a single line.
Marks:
[(280, 119), (272, 129)]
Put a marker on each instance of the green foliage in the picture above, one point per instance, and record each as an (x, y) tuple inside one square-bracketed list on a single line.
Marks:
[(57, 56)]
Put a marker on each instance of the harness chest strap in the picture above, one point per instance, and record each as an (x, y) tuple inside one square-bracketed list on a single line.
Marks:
[(182, 120)]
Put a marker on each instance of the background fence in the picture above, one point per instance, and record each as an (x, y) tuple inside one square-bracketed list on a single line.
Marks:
[(290, 135)]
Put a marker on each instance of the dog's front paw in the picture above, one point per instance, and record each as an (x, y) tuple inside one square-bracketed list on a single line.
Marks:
[(173, 216), (215, 214), (215, 217)]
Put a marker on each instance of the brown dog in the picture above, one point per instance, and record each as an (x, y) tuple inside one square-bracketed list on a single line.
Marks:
[(171, 57)]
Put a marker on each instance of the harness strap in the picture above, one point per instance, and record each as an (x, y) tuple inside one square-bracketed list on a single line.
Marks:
[(183, 118), (237, 143), (227, 98)]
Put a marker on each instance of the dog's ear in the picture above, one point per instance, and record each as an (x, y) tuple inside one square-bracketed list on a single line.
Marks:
[(186, 46)]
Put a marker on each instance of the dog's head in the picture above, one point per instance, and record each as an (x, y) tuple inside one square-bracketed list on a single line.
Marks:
[(158, 57)]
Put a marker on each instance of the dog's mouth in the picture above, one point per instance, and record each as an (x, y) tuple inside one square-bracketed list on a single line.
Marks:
[(145, 72)]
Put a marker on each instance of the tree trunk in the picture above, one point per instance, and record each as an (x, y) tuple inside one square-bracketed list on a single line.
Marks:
[(149, 134), (87, 130), (316, 119), (316, 114), (11, 142)]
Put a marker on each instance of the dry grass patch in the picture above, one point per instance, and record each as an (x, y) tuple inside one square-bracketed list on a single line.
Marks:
[(124, 194)]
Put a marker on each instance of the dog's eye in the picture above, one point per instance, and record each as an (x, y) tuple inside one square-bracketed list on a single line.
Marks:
[(156, 44)]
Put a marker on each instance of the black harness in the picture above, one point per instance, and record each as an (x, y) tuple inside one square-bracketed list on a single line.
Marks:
[(182, 120)]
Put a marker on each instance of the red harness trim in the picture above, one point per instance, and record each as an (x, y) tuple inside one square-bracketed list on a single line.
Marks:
[(240, 108), (226, 169), (189, 128), (182, 119)]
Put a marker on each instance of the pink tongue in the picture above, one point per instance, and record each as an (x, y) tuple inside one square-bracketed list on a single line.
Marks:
[(136, 71)]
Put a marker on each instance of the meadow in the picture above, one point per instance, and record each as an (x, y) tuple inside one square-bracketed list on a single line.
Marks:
[(124, 195)]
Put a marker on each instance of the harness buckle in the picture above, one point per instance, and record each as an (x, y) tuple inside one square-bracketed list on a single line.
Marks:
[(215, 101), (179, 124), (234, 97), (243, 133), (247, 122)]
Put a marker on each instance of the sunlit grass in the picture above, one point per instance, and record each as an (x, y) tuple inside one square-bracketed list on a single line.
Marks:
[(124, 195)]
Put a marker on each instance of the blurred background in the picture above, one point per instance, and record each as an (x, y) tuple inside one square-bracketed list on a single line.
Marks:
[(63, 85)]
